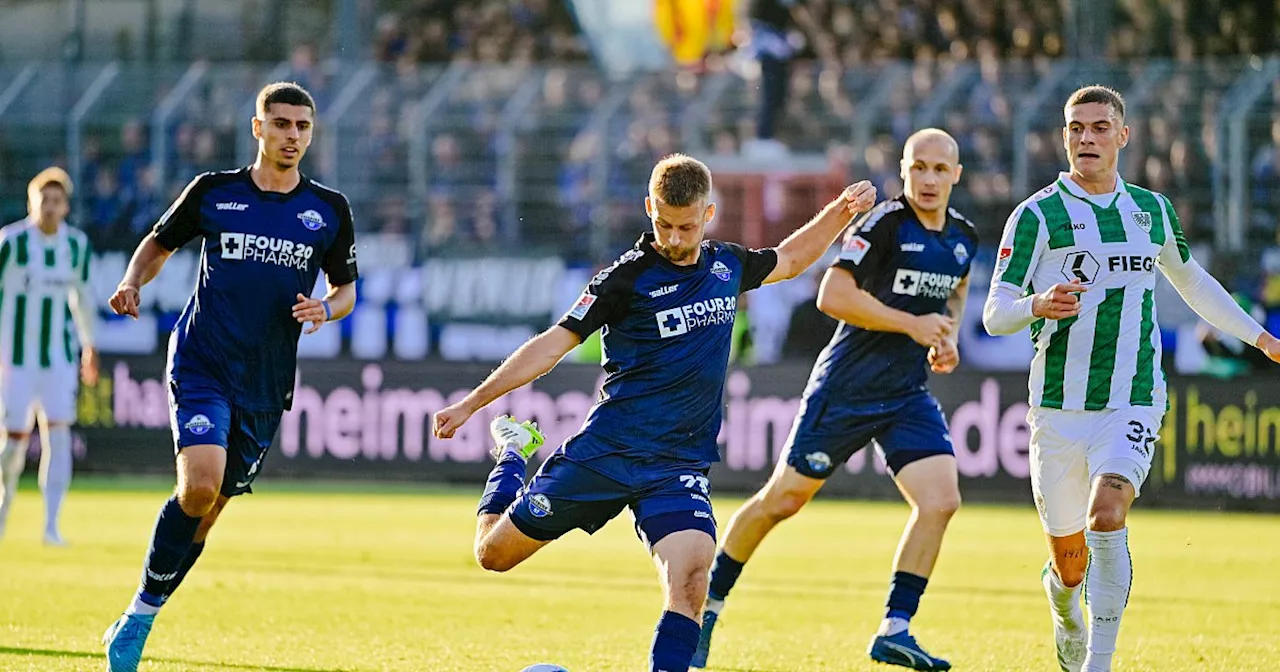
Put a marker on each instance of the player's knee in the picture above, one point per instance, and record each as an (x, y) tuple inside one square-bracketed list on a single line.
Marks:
[(198, 499), (780, 505), (492, 558), (1106, 516), (939, 506)]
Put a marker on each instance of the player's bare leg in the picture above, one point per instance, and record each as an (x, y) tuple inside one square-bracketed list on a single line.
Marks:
[(683, 559), (931, 487), (1110, 571), (13, 458), (55, 475), (173, 550), (782, 497), (500, 545)]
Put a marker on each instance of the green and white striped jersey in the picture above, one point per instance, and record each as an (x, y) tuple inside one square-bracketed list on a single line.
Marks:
[(1108, 356), (38, 275)]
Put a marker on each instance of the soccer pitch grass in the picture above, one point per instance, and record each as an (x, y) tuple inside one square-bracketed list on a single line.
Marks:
[(313, 578)]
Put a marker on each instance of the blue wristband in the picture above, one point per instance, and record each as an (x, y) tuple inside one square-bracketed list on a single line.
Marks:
[(328, 312)]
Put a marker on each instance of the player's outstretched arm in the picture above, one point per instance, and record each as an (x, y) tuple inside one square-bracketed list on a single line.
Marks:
[(840, 297), (1204, 293), (807, 244), (146, 263), (533, 359)]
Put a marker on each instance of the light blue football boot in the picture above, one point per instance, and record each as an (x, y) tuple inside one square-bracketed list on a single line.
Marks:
[(124, 641)]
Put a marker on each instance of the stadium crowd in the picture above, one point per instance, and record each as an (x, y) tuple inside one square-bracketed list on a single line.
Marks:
[(581, 144)]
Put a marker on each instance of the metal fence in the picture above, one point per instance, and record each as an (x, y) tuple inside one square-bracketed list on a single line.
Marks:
[(556, 158)]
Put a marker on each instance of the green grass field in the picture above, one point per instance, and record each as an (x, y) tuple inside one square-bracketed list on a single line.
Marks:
[(316, 578)]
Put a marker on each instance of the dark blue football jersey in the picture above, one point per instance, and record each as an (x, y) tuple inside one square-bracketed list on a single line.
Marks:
[(667, 332), (907, 267), (259, 250)]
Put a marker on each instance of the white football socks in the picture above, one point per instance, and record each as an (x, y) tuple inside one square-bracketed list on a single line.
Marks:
[(55, 476), (1064, 601), (1107, 584), (13, 456)]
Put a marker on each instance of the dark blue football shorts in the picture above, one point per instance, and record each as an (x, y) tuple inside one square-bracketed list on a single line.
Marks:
[(828, 431), (200, 413), (566, 495)]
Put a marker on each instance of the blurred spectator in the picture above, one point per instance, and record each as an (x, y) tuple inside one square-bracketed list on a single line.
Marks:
[(486, 31)]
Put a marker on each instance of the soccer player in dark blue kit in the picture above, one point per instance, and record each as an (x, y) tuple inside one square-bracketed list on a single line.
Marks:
[(266, 232), (898, 289), (667, 308)]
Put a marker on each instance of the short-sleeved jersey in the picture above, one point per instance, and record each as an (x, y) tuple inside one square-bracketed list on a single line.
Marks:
[(666, 338), (905, 266), (38, 275), (1108, 356), (259, 250)]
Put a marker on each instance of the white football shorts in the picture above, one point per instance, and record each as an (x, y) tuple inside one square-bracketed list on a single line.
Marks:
[(24, 390), (1069, 449)]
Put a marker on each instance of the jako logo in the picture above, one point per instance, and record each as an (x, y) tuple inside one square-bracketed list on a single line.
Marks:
[(266, 249), (238, 207), (677, 321)]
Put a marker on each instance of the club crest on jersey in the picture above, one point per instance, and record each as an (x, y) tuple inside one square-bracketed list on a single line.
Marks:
[(539, 505), (311, 219), (199, 424), (721, 271), (1143, 220), (819, 461), (962, 253)]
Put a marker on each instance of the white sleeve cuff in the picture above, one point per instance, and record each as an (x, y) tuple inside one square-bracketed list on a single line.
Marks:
[(1006, 310)]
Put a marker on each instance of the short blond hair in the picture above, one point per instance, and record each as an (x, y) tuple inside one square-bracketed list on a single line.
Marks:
[(51, 175), (680, 180)]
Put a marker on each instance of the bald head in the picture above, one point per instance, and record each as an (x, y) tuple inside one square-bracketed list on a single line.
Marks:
[(933, 137), (930, 168)]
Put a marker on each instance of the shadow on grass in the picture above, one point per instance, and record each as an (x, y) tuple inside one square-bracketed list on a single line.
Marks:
[(53, 653)]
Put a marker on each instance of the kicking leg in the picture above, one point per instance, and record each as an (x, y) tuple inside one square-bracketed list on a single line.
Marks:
[(1110, 571), (931, 486), (500, 545), (55, 476), (682, 558)]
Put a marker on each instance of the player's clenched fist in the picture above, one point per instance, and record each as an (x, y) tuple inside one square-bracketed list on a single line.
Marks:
[(447, 421), (1058, 302), (944, 357), (930, 330), (861, 197), (125, 301)]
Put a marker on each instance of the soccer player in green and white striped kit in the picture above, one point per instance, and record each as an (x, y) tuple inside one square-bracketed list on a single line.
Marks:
[(1077, 264), (44, 274)]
